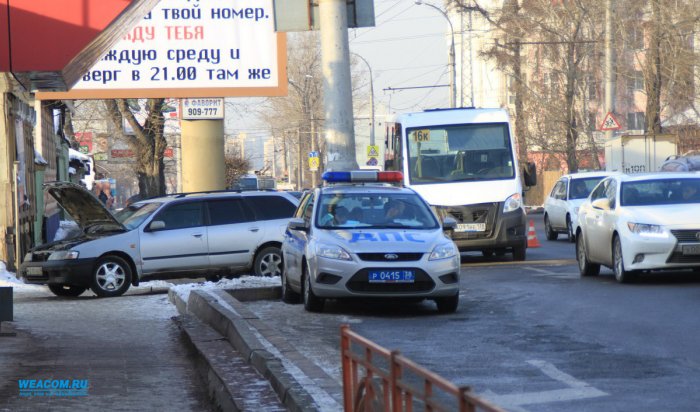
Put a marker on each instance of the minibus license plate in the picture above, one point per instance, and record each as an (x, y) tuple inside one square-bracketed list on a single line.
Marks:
[(391, 276), (35, 271), (471, 227)]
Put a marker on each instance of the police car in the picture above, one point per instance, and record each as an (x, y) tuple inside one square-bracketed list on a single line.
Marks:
[(361, 237)]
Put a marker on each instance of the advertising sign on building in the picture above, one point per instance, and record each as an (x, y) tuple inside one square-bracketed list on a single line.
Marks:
[(191, 49)]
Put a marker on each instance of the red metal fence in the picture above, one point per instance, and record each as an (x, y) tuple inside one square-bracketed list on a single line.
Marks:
[(376, 379)]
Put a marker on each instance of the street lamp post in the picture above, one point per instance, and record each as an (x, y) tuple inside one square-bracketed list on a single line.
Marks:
[(308, 117), (451, 63), (371, 100)]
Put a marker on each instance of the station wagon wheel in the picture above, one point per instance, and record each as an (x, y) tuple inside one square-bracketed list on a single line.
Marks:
[(111, 276), (585, 267), (66, 290), (268, 262), (288, 295), (570, 229), (622, 275), (312, 303), (551, 234)]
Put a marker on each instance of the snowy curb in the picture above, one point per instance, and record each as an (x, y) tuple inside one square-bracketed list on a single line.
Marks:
[(225, 314)]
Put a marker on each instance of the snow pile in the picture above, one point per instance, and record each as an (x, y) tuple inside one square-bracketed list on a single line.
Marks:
[(184, 290), (9, 279)]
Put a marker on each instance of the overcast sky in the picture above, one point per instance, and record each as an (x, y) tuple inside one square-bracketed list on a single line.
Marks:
[(406, 48)]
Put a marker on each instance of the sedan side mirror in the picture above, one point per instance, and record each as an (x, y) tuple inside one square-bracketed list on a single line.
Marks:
[(156, 225), (601, 204), (449, 223), (297, 224)]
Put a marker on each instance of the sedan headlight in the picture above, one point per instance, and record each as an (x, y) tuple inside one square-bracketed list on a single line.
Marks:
[(643, 229), (443, 251), (513, 203), (332, 252), (64, 255)]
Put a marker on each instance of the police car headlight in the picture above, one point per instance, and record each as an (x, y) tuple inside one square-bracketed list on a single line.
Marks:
[(64, 255), (513, 203), (332, 252), (444, 251)]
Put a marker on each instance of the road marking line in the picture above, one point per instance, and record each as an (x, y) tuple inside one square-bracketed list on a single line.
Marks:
[(576, 390), (553, 262), (556, 374)]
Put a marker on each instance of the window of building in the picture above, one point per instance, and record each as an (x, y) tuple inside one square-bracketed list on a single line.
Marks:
[(636, 82), (635, 121)]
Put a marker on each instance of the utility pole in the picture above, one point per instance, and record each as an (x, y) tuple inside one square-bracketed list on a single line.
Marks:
[(371, 100), (300, 166), (335, 61), (609, 65), (451, 63)]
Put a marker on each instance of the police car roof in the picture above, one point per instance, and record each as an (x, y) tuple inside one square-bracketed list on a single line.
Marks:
[(365, 188)]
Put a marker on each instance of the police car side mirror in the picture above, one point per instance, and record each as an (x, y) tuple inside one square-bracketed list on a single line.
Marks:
[(449, 223), (297, 224)]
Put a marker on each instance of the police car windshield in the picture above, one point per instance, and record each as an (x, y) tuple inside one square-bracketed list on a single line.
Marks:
[(374, 210)]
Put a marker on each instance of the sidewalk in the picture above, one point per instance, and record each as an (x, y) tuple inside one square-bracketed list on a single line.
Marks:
[(130, 351)]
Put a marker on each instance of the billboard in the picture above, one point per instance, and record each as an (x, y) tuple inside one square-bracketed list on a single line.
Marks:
[(207, 48)]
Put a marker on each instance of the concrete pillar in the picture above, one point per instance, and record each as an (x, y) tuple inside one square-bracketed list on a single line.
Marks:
[(335, 60), (202, 151)]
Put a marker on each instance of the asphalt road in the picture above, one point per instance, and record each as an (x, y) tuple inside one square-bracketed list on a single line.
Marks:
[(533, 336)]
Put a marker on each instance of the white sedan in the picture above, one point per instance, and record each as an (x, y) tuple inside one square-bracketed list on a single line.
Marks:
[(562, 205), (633, 223)]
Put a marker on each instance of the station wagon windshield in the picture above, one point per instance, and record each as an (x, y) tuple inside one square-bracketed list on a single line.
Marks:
[(374, 210), (469, 152), (133, 215)]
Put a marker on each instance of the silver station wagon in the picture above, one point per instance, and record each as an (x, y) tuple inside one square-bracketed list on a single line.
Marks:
[(368, 240), (176, 236)]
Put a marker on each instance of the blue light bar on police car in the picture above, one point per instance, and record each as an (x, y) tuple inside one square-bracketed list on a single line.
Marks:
[(358, 176)]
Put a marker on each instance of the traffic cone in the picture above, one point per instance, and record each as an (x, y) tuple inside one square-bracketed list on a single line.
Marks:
[(532, 236)]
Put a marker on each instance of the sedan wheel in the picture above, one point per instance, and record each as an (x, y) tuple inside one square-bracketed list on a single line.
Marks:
[(312, 303), (570, 229), (585, 267), (111, 277), (621, 274), (549, 232), (268, 262)]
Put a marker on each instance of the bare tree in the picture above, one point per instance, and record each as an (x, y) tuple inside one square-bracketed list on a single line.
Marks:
[(236, 166), (148, 141)]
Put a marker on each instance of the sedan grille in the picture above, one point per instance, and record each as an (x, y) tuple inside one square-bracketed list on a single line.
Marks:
[(390, 257), (360, 283), (687, 236), (677, 257)]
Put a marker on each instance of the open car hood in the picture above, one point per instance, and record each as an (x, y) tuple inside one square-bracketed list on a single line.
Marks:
[(82, 205)]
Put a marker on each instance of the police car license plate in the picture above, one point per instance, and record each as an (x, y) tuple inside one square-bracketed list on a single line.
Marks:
[(691, 249), (33, 270), (392, 276), (471, 227)]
